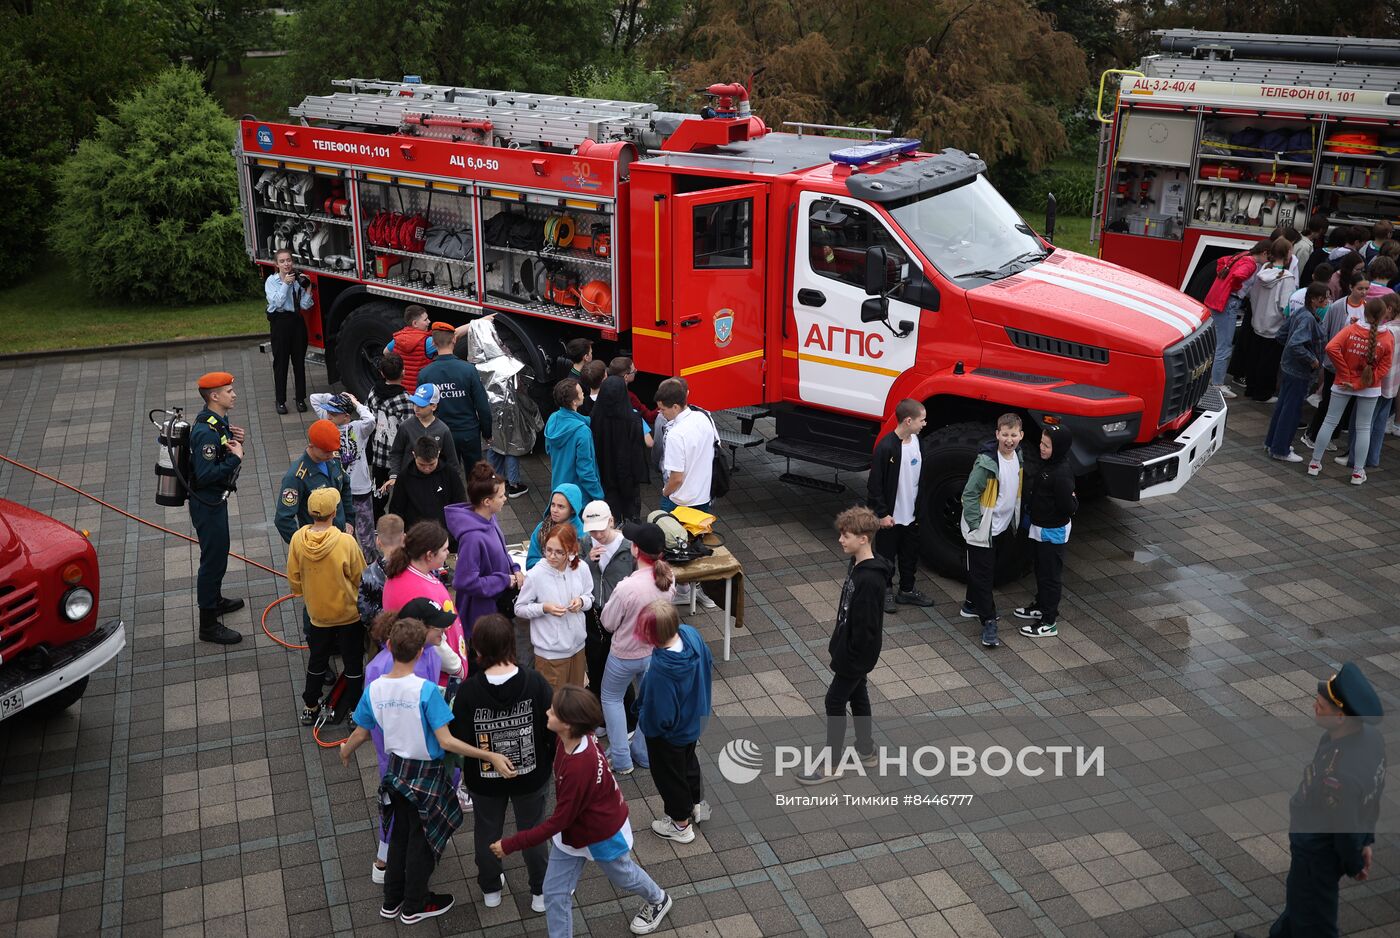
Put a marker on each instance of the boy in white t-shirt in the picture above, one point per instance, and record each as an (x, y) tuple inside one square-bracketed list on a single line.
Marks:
[(893, 494), (991, 516), (417, 801)]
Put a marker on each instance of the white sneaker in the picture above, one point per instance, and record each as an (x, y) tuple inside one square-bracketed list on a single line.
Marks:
[(1290, 457), (1342, 460), (1272, 400), (464, 799), (1314, 468), (704, 602), (701, 812), (682, 597), (537, 903), (1358, 477), (492, 899), (1315, 400), (1393, 429), (1226, 393), (665, 827), (376, 873)]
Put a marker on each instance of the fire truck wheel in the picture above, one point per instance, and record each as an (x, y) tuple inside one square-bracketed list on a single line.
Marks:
[(57, 703), (949, 453), (361, 342)]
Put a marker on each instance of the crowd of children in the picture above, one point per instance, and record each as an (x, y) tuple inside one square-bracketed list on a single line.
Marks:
[(1324, 334)]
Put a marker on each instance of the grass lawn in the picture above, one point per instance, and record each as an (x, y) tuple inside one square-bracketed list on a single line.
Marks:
[(1071, 231), (50, 310)]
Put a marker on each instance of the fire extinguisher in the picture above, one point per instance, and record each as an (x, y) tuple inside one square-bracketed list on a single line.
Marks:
[(172, 457)]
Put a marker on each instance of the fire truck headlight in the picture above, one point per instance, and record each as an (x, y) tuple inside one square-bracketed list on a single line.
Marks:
[(77, 603), (1117, 426)]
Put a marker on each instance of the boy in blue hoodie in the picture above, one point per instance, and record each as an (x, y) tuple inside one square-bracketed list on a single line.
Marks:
[(1302, 341), (568, 439), (675, 705), (565, 504)]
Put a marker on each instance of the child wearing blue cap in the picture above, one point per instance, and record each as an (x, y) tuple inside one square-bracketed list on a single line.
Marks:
[(425, 423)]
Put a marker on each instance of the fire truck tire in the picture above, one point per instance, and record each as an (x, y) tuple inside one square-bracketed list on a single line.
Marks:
[(949, 453), (361, 342), (57, 703)]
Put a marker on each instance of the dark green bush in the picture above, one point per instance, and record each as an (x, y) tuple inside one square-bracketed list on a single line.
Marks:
[(148, 206)]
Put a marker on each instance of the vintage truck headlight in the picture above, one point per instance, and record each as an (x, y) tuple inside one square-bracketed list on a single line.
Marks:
[(77, 603)]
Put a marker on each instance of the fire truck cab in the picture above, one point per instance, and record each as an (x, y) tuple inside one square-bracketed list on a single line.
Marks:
[(817, 279)]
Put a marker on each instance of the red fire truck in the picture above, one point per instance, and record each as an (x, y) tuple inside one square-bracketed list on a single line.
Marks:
[(50, 635), (816, 279), (1222, 137)]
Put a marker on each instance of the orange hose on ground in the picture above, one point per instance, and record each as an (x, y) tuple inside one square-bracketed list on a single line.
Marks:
[(315, 732)]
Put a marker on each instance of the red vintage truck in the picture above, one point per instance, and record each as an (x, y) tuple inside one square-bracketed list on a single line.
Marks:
[(812, 278), (51, 639)]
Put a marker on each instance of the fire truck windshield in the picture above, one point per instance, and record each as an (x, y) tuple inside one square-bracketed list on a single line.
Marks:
[(969, 232)]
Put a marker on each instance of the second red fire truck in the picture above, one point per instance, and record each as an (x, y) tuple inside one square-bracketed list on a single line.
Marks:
[(818, 279)]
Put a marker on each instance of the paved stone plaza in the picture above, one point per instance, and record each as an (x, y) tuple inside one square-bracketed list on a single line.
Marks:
[(182, 797)]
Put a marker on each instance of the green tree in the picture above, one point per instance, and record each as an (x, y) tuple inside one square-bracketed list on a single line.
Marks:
[(207, 33), (148, 206), (984, 75), (61, 64), (520, 45)]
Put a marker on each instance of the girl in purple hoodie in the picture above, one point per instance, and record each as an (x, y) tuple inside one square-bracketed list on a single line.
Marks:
[(484, 568)]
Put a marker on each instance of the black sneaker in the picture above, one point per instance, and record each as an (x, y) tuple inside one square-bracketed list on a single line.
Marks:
[(889, 603), (301, 407), (282, 409), (968, 611), (912, 598), (388, 911), (516, 490), (989, 634), (816, 777), (309, 714), (438, 903), (649, 918), (1030, 610)]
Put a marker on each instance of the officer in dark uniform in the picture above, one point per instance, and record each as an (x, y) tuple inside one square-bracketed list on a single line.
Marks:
[(317, 468), (216, 456), (1332, 816)]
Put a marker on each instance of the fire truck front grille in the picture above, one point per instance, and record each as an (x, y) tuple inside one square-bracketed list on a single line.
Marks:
[(1187, 372), (1053, 346), (19, 606)]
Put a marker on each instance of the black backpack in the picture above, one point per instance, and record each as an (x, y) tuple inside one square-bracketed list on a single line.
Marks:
[(721, 477)]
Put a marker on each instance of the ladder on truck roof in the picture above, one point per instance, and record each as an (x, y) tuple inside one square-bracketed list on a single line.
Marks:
[(517, 119)]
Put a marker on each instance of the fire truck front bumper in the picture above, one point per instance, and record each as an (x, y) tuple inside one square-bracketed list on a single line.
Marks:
[(1163, 467), (28, 680)]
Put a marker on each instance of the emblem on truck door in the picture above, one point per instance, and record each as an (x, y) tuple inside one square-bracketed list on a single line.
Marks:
[(724, 327)]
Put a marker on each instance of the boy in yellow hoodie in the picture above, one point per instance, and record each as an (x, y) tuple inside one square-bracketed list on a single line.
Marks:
[(324, 566)]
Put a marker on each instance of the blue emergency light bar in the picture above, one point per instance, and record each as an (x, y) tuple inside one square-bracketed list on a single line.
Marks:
[(870, 152)]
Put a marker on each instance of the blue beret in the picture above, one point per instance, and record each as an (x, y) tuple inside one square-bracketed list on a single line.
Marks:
[(1350, 690)]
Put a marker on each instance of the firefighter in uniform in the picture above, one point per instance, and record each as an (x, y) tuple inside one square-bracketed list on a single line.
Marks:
[(316, 468), (216, 456), (1332, 815)]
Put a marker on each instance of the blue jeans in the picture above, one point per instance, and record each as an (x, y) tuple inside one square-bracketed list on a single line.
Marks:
[(1224, 338), (562, 876), (667, 505), (1289, 407), (1385, 406), (504, 465), (1361, 440), (618, 673)]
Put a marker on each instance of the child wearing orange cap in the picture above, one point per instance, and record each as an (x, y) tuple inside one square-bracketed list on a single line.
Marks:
[(324, 567), (316, 468)]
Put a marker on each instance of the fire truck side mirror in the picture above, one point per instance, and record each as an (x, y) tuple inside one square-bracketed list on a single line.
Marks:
[(877, 282), (875, 309)]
